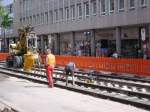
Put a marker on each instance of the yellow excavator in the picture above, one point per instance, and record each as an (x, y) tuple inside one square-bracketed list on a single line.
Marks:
[(24, 52)]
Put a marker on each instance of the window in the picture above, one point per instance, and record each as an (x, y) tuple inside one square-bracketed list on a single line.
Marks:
[(38, 19), (27, 20), (34, 20), (103, 7), (42, 18), (94, 7), (61, 14), (86, 8), (10, 8), (121, 4), (73, 11), (79, 10), (67, 13), (143, 2), (46, 17), (24, 20), (21, 20), (111, 6), (56, 15), (51, 16), (31, 20), (132, 3)]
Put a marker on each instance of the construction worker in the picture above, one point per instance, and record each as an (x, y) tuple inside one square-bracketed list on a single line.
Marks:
[(50, 64), (69, 70)]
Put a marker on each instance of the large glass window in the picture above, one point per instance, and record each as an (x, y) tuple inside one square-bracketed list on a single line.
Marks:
[(121, 4), (94, 7), (86, 8), (111, 6), (79, 10), (103, 6)]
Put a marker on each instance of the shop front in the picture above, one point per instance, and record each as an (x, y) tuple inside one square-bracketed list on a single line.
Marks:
[(66, 44), (82, 43), (105, 43)]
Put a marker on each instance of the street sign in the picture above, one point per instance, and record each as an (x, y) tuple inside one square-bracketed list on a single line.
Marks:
[(143, 34)]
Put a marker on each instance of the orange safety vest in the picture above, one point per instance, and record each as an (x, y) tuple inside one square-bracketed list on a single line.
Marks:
[(51, 60)]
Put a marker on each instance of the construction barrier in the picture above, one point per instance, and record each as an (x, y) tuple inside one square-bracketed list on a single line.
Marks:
[(133, 66), (3, 56)]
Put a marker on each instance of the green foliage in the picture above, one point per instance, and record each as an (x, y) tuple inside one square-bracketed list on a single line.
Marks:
[(2, 10), (6, 20)]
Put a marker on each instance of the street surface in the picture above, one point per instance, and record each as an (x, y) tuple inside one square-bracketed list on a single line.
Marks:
[(26, 96)]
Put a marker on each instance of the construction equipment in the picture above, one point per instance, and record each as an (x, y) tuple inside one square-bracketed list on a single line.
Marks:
[(24, 52)]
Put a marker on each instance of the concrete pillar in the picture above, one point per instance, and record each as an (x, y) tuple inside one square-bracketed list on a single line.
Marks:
[(93, 52), (73, 41), (50, 41), (118, 40)]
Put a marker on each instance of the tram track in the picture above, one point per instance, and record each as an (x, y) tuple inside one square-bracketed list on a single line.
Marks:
[(139, 99), (126, 84), (102, 75)]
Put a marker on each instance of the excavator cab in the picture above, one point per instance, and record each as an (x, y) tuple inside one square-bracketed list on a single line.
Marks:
[(32, 41), (32, 55)]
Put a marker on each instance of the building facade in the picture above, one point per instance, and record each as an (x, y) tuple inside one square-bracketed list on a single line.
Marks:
[(88, 27)]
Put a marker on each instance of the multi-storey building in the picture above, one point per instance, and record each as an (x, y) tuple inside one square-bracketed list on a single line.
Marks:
[(88, 27)]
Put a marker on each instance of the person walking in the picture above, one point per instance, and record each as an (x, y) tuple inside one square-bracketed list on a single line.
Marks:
[(69, 71), (49, 65)]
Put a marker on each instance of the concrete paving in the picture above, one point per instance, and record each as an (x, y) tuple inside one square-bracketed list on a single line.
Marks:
[(26, 96)]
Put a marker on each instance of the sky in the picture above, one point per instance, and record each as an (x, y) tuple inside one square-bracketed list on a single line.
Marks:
[(6, 2)]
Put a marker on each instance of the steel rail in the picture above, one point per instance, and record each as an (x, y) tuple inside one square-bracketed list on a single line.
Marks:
[(113, 81)]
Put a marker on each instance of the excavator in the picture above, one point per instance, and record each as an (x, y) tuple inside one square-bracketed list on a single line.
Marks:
[(23, 54)]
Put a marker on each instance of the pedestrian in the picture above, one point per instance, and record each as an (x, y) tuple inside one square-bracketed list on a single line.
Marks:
[(69, 71), (49, 65)]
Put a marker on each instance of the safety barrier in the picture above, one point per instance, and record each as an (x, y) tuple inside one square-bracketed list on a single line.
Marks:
[(3, 56), (133, 66)]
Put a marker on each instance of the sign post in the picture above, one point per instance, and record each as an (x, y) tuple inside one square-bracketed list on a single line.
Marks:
[(144, 43)]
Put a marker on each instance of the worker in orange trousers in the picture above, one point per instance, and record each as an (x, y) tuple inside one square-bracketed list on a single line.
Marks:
[(50, 64)]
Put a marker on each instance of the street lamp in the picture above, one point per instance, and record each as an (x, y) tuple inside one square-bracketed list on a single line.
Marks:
[(87, 34)]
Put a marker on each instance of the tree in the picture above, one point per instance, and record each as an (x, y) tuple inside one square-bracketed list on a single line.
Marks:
[(2, 11), (5, 23)]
